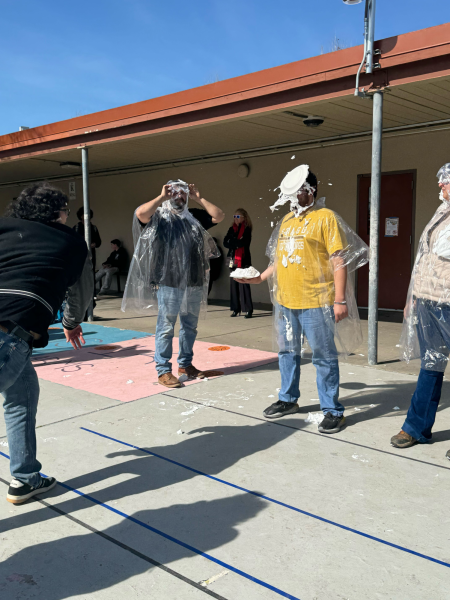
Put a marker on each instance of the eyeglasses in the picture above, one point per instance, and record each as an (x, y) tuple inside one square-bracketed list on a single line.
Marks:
[(238, 216), (66, 210)]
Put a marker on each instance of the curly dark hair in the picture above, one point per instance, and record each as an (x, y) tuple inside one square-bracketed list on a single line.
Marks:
[(38, 202)]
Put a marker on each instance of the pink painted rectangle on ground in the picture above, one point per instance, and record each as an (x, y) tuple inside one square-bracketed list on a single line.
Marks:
[(126, 371)]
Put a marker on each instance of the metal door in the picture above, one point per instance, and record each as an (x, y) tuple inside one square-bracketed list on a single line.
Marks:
[(396, 237)]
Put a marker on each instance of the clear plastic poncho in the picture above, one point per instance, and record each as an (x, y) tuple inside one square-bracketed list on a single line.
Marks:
[(426, 323), (171, 260), (306, 248)]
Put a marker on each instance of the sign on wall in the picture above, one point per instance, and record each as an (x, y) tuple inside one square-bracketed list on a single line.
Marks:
[(72, 191), (391, 227)]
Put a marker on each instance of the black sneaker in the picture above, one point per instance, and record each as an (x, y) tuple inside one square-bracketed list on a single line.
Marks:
[(331, 423), (279, 409), (19, 492)]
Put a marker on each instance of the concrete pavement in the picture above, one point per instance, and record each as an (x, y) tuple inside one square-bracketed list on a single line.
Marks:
[(194, 485)]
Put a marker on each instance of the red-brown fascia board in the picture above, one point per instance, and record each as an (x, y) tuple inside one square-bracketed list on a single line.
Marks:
[(408, 48)]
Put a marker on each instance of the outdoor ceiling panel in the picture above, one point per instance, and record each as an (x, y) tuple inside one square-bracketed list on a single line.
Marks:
[(330, 124), (403, 105), (425, 97), (409, 112), (294, 125), (37, 169), (416, 106)]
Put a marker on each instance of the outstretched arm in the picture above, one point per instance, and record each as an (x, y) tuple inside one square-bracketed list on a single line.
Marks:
[(267, 273), (78, 300), (213, 211)]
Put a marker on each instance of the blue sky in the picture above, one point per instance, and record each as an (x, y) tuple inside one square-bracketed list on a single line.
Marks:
[(60, 59)]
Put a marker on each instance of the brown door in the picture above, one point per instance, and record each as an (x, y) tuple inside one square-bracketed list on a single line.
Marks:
[(396, 224)]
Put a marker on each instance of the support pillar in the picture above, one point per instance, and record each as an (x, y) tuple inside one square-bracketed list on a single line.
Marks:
[(87, 216), (375, 225)]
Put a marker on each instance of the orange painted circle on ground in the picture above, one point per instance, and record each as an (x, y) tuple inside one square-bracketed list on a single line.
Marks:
[(107, 347), (219, 348)]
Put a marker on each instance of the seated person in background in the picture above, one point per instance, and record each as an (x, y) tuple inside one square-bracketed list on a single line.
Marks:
[(115, 263)]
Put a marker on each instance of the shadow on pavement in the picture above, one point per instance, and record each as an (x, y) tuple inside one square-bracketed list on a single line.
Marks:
[(209, 449), (83, 564)]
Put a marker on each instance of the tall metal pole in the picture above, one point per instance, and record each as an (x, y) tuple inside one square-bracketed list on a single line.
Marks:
[(375, 185), (87, 216), (370, 15)]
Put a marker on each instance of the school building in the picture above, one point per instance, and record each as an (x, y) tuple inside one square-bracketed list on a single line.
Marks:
[(236, 139)]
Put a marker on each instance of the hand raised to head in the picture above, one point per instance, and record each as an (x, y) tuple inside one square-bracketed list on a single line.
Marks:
[(166, 192), (194, 194)]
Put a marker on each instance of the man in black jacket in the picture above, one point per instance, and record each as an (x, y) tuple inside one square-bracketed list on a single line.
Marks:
[(40, 259), (115, 263)]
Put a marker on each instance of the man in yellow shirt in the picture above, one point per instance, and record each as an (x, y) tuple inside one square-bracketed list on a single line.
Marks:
[(309, 285)]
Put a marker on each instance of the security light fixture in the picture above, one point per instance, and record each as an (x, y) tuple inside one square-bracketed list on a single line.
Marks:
[(308, 120), (313, 121), (70, 165)]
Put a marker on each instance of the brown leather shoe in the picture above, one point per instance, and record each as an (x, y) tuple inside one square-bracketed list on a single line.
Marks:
[(169, 380), (191, 372), (403, 440)]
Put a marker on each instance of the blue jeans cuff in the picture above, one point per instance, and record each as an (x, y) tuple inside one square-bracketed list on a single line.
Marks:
[(413, 433), (163, 371), (287, 398)]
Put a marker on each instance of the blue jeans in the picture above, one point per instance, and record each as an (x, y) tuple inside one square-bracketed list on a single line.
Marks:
[(433, 331), (20, 388), (171, 303), (310, 322)]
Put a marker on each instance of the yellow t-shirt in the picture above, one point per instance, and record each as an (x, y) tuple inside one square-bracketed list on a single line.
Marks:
[(305, 277)]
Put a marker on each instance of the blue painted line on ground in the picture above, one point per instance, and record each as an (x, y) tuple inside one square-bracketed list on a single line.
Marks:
[(176, 541), (262, 496)]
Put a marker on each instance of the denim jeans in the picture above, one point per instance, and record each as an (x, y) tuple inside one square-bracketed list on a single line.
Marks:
[(171, 303), (433, 331), (310, 322), (20, 388), (105, 274)]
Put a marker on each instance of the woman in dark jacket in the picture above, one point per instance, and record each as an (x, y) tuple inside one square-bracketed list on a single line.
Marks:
[(238, 240)]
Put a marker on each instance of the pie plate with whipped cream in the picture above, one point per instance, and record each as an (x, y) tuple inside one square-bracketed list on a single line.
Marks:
[(248, 273)]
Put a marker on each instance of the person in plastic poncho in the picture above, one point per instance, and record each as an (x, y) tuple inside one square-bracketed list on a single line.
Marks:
[(426, 326), (311, 253), (169, 273)]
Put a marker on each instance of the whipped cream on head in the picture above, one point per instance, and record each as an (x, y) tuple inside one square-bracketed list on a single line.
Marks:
[(177, 186), (293, 184), (443, 176)]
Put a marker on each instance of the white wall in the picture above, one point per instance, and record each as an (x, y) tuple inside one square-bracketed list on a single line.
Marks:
[(115, 197)]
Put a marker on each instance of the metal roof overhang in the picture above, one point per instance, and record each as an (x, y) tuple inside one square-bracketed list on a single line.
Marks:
[(248, 115)]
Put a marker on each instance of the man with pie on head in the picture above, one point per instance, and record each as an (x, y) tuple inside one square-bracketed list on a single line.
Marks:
[(310, 251)]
